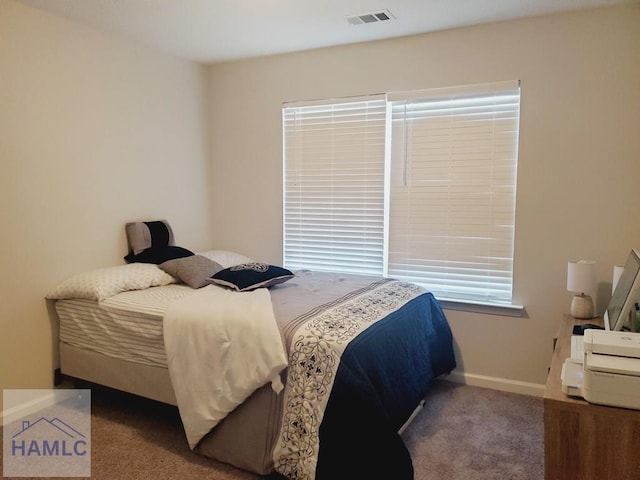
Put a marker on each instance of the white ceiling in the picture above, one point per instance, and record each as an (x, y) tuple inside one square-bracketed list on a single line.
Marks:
[(215, 30)]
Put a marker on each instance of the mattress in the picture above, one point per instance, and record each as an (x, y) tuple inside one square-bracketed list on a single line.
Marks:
[(127, 326)]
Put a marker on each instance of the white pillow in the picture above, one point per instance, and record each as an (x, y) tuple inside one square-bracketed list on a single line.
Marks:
[(226, 258), (103, 283)]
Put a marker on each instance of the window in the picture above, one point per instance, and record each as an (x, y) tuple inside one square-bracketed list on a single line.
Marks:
[(414, 185), (334, 185)]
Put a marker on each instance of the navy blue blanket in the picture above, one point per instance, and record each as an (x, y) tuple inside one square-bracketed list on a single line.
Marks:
[(357, 371)]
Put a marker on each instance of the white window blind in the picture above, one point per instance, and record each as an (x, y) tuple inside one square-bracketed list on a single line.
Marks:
[(334, 168), (453, 189)]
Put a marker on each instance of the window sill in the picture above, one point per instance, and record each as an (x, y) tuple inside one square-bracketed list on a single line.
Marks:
[(486, 308)]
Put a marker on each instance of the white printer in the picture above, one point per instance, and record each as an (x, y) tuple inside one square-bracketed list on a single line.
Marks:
[(610, 371)]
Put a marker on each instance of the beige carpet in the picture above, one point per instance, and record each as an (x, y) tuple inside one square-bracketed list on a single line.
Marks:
[(462, 433), (471, 433)]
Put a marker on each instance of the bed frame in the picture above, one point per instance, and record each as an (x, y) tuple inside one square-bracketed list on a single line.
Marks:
[(230, 436), (239, 439), (144, 380)]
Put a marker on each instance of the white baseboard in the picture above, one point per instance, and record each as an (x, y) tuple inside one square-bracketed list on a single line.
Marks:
[(496, 383), (33, 401), (39, 399)]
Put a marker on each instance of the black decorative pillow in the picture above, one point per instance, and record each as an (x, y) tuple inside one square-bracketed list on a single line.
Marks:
[(194, 270), (144, 235), (158, 255), (249, 276)]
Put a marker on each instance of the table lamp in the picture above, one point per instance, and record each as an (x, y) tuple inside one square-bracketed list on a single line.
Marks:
[(581, 278)]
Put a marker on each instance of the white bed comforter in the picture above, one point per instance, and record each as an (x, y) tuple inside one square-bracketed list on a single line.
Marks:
[(221, 346)]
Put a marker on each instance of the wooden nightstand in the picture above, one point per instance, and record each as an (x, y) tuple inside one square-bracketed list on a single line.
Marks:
[(583, 441)]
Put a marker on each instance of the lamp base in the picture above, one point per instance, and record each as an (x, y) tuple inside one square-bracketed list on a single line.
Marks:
[(582, 306)]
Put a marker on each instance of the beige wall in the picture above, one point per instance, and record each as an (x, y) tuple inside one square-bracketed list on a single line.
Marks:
[(579, 164), (94, 132)]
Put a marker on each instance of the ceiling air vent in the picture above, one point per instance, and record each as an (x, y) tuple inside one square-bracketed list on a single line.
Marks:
[(372, 17)]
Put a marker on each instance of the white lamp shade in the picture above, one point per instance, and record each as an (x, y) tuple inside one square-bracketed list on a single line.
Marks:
[(582, 276)]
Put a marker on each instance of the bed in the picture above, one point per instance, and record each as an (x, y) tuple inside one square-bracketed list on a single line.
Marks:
[(360, 354)]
